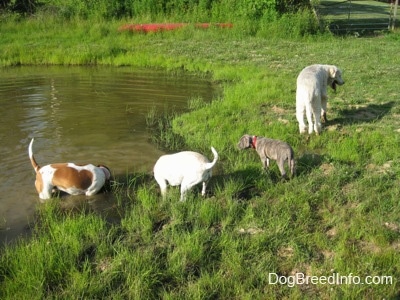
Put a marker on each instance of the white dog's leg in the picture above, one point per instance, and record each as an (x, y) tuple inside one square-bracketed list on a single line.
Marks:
[(186, 186), (203, 190), (309, 115), (324, 100), (184, 190), (316, 110), (300, 109), (317, 124), (163, 186)]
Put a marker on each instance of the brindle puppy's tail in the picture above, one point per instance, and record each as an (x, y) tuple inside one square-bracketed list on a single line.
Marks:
[(292, 166), (291, 162)]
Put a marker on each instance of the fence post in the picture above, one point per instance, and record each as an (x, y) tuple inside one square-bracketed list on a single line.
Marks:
[(396, 4)]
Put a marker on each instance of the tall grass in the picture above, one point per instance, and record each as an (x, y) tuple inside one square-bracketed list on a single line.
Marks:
[(198, 11), (159, 125)]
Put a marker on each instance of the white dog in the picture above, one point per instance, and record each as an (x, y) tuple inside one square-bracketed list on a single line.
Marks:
[(186, 169), (68, 177), (312, 95)]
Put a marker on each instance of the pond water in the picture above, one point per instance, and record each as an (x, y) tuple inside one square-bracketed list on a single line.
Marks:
[(83, 115)]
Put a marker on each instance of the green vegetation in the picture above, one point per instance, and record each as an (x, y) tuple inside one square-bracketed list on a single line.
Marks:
[(182, 9), (340, 214)]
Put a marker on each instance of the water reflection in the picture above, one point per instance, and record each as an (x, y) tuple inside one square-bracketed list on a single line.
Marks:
[(79, 114)]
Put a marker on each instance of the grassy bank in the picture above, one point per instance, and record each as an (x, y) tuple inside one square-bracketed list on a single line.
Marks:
[(339, 215)]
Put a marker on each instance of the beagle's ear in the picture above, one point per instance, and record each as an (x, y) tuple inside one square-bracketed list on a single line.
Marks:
[(332, 71), (106, 171)]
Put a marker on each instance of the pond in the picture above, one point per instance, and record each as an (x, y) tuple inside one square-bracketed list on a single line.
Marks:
[(83, 115)]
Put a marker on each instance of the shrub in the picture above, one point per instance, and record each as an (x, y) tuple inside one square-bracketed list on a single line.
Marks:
[(252, 9)]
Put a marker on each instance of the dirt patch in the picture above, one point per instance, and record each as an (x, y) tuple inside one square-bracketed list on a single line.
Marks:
[(370, 247), (383, 169), (328, 255), (392, 226), (331, 232), (279, 113), (350, 188), (327, 169), (104, 264), (286, 252), (334, 127), (251, 230), (396, 246), (283, 121), (278, 110)]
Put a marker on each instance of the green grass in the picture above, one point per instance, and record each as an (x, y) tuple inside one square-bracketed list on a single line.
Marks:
[(340, 214)]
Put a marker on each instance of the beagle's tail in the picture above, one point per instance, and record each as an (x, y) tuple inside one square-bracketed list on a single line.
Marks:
[(212, 164), (32, 158)]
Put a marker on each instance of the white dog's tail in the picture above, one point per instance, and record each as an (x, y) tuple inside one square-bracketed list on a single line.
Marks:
[(32, 158), (212, 164)]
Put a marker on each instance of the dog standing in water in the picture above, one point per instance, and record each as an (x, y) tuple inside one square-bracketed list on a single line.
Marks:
[(68, 177)]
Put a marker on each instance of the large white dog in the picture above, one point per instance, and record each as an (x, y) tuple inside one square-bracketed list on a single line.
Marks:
[(312, 95), (186, 169)]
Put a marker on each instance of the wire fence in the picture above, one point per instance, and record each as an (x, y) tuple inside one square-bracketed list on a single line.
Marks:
[(356, 15)]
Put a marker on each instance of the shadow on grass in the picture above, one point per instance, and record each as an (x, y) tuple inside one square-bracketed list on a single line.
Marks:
[(252, 182), (240, 185), (362, 114), (307, 162)]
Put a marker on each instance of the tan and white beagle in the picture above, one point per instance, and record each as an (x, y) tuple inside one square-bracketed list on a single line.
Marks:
[(68, 177)]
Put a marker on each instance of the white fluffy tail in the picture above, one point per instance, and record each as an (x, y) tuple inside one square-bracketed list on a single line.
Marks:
[(212, 164)]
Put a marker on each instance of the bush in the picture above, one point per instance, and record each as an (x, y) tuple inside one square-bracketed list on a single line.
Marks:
[(293, 25), (20, 6), (252, 9)]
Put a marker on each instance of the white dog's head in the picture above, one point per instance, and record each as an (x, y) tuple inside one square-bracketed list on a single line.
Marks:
[(335, 77)]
